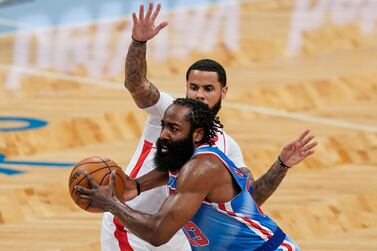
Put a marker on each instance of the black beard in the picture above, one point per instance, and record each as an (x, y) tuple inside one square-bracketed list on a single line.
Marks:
[(178, 153), (216, 108)]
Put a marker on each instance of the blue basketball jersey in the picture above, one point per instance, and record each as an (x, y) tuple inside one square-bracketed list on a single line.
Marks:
[(235, 225)]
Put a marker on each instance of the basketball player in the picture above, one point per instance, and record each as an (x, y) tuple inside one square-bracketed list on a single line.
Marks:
[(206, 81), (210, 198)]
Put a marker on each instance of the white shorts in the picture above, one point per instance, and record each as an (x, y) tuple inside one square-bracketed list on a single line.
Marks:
[(113, 239)]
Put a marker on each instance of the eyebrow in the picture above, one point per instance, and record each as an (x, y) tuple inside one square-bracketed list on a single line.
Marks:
[(169, 123), (205, 85)]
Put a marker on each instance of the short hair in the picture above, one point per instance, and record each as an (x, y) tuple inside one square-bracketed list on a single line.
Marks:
[(209, 65), (201, 116)]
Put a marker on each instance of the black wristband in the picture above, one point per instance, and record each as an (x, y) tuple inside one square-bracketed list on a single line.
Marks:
[(137, 186), (281, 163), (138, 42)]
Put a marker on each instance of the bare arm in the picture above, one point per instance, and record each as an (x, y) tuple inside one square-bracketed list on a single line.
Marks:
[(157, 229), (292, 154), (144, 93), (142, 90), (266, 185), (193, 185), (152, 179)]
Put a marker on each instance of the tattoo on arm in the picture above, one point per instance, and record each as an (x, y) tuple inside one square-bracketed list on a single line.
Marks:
[(267, 184), (142, 90)]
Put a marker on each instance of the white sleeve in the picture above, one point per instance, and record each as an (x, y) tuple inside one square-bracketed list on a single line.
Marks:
[(156, 111), (234, 152)]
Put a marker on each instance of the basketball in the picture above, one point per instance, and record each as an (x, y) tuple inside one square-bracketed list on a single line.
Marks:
[(100, 169)]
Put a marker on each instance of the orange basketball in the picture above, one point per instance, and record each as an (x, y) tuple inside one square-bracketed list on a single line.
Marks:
[(100, 169)]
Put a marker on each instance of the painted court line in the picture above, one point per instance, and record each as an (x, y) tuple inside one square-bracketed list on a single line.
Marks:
[(300, 116), (232, 105)]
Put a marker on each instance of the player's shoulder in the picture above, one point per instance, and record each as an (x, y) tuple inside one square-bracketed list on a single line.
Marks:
[(200, 172), (228, 137), (202, 165), (157, 110)]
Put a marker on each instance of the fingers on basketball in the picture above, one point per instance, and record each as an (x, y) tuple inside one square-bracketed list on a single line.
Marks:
[(99, 169)]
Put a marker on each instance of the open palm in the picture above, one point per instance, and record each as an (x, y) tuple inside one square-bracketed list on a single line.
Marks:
[(300, 148), (144, 27)]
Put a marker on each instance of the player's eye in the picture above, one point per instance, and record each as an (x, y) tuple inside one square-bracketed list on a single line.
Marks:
[(209, 88), (193, 87)]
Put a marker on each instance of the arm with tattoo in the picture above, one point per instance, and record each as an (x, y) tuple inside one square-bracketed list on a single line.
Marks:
[(292, 154), (142, 90), (264, 187)]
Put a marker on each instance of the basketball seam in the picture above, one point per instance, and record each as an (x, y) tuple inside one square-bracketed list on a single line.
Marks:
[(93, 162), (85, 163), (109, 167), (105, 163), (90, 174)]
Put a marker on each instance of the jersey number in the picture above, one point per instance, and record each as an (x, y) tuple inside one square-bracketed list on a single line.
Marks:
[(195, 236)]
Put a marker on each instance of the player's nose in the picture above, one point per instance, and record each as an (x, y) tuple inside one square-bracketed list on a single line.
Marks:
[(199, 95), (164, 134)]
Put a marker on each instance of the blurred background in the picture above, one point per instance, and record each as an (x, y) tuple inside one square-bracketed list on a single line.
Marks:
[(291, 65)]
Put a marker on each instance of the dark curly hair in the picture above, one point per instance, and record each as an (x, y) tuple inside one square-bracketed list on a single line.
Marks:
[(201, 116), (209, 65)]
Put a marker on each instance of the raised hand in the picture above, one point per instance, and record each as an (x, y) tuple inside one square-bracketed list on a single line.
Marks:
[(143, 26), (298, 149)]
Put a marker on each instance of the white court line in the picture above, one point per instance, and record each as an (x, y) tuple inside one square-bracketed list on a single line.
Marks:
[(58, 75), (232, 105), (300, 116)]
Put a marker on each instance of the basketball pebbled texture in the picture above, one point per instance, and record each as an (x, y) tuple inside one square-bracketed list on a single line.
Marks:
[(100, 169)]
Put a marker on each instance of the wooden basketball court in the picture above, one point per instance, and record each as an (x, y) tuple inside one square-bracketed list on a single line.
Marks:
[(329, 85)]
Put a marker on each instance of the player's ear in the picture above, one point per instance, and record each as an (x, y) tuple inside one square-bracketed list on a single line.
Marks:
[(224, 91), (197, 136)]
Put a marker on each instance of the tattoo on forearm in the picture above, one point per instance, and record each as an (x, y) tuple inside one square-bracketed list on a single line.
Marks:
[(147, 97), (267, 184), (136, 66), (143, 91)]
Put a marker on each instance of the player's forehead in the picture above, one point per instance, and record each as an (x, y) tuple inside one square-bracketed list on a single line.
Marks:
[(203, 78), (176, 114)]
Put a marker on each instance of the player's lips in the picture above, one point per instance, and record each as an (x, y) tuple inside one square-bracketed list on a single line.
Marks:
[(164, 149), (163, 145)]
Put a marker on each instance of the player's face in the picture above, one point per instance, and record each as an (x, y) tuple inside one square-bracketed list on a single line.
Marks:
[(205, 86), (175, 145)]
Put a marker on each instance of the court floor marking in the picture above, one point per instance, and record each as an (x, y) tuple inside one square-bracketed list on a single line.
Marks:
[(232, 105)]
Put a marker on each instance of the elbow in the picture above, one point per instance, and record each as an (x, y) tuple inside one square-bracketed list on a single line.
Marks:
[(125, 83), (131, 83), (158, 242), (136, 87), (158, 239)]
